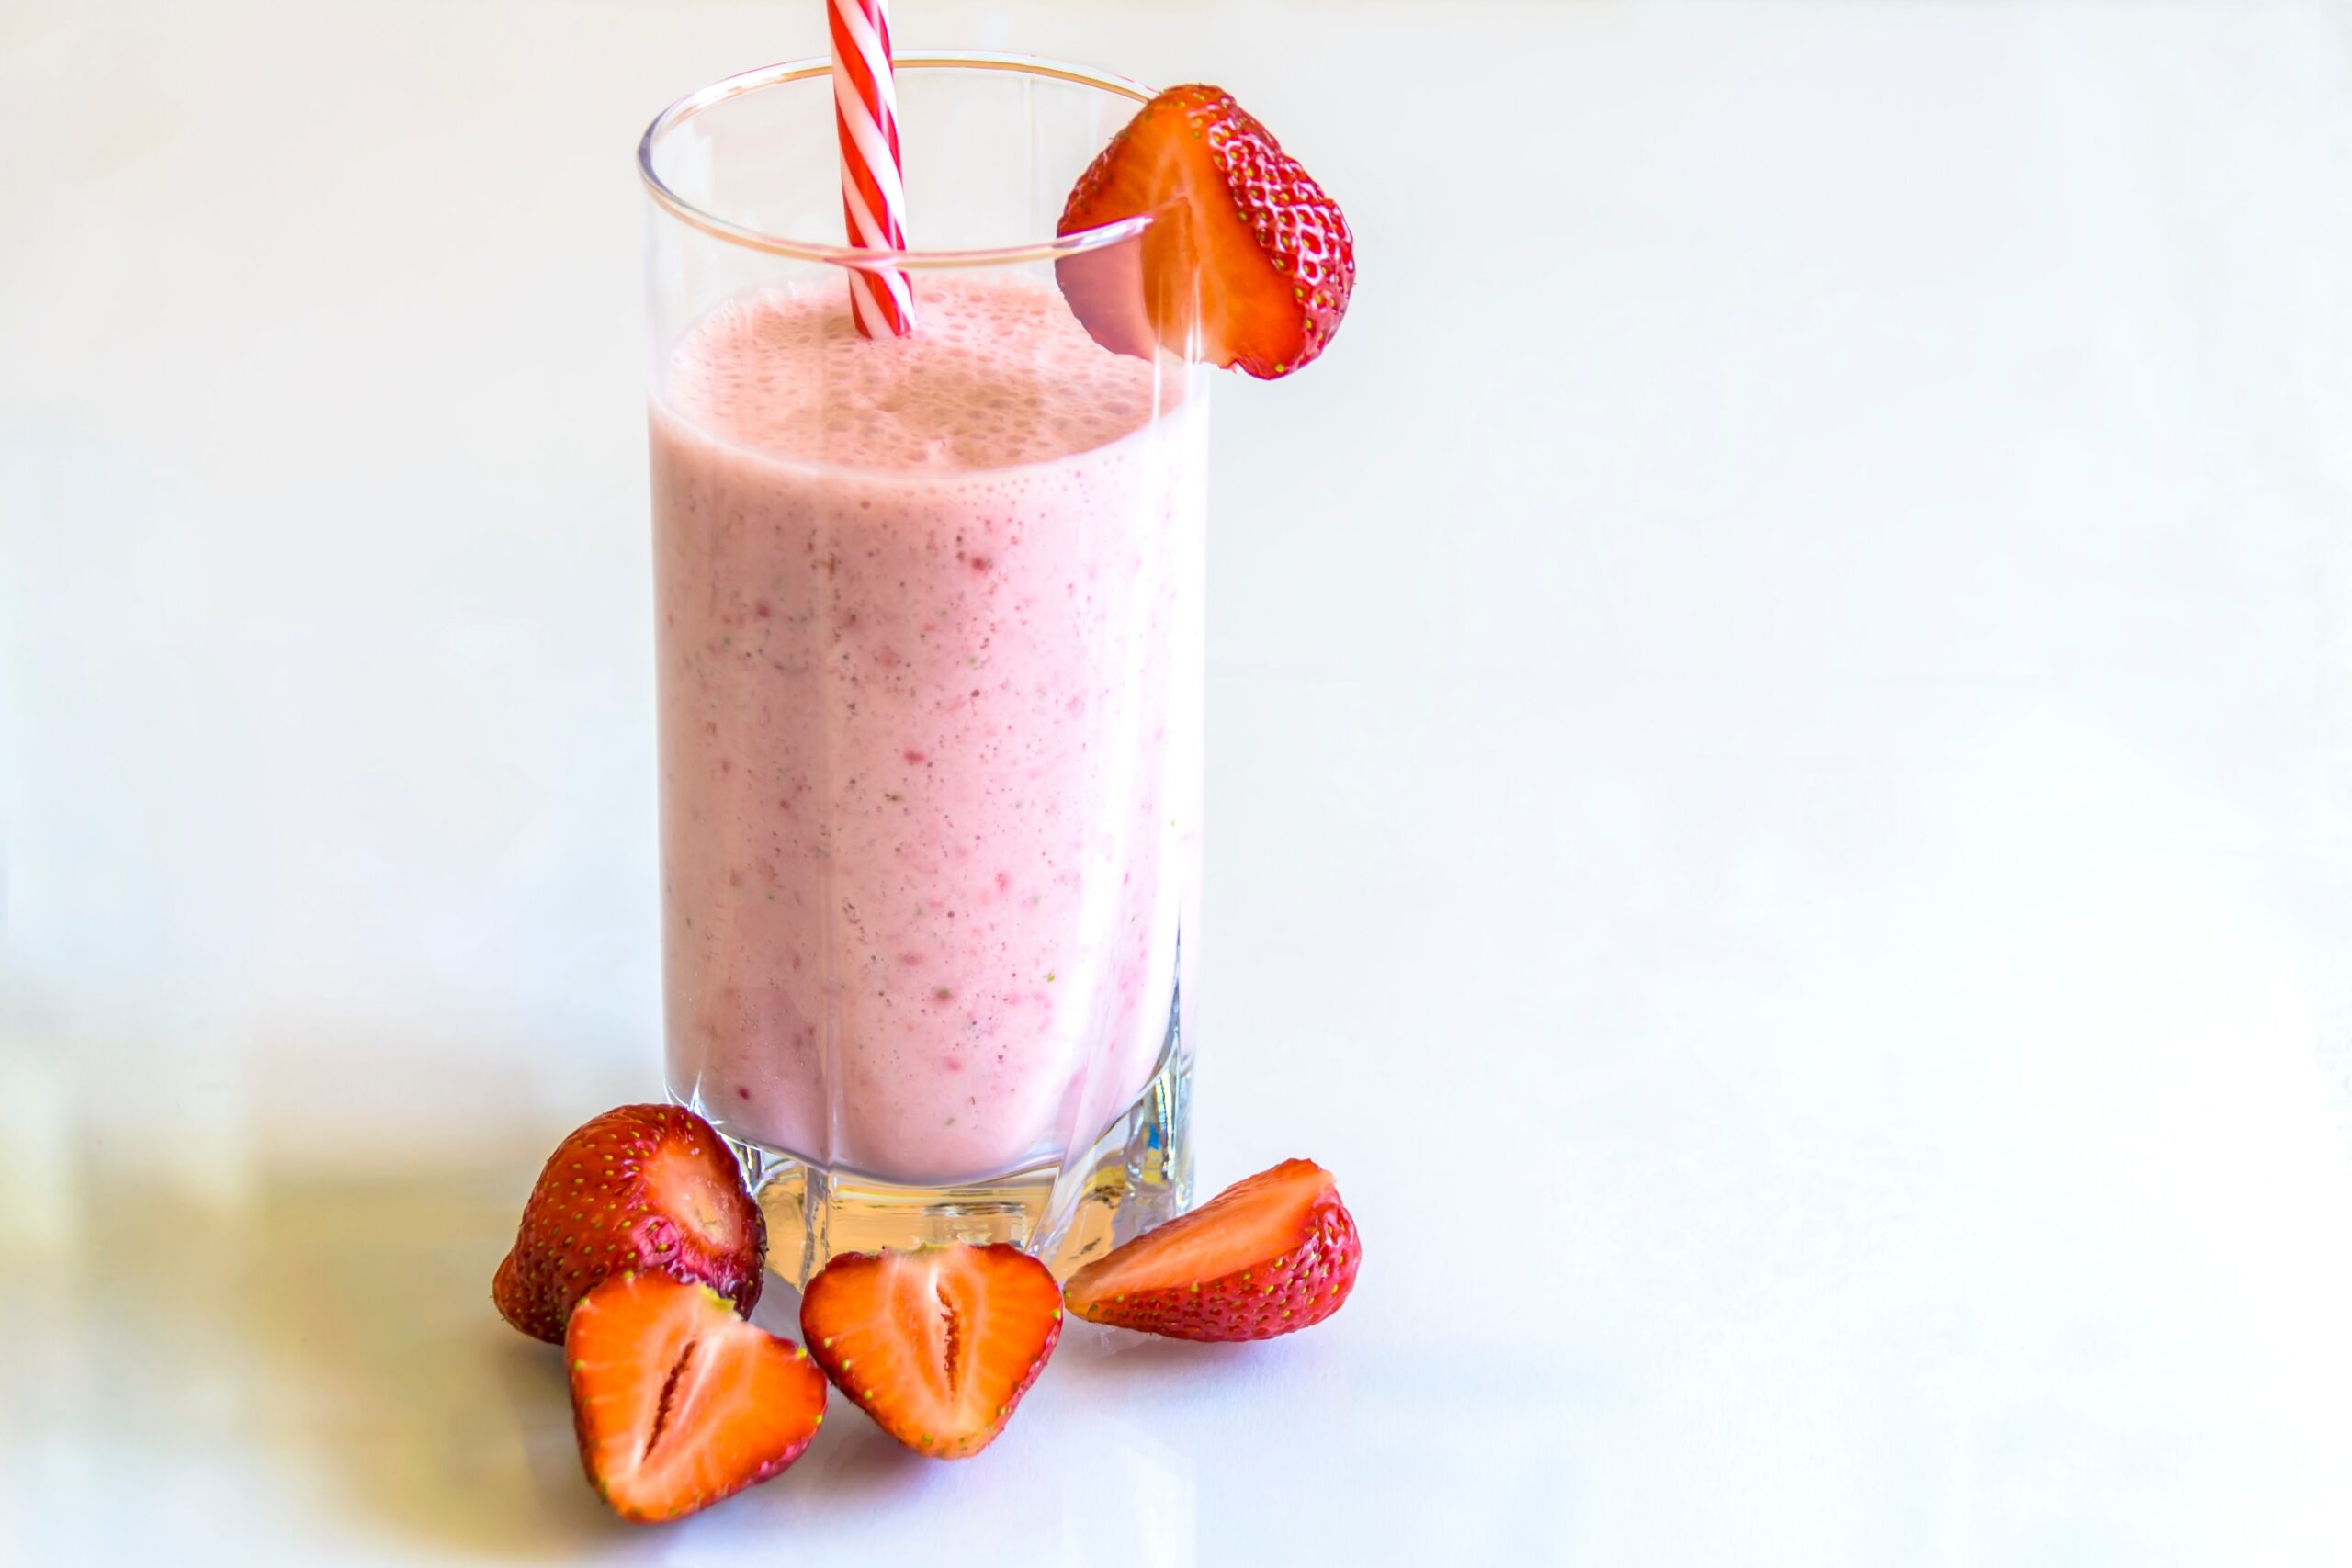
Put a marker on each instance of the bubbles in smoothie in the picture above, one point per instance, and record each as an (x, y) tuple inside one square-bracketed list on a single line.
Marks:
[(996, 374)]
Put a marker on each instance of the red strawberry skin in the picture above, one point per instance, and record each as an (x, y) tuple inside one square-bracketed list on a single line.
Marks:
[(937, 1345), (1272, 254), (1269, 1255), (644, 1187), (676, 1401)]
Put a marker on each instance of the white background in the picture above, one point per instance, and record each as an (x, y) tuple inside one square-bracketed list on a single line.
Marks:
[(1777, 795)]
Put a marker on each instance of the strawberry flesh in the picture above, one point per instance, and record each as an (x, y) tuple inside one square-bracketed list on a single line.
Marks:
[(677, 1401), (937, 1345), (1271, 1254), (1246, 261), (644, 1187)]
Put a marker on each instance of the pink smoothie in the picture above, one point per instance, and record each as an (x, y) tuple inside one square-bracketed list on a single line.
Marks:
[(930, 726)]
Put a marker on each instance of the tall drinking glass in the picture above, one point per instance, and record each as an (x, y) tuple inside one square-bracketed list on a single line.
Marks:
[(929, 628)]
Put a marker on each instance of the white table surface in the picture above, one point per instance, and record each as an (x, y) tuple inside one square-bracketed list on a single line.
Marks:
[(1777, 798)]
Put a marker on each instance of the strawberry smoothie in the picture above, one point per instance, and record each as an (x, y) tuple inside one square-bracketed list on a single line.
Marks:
[(929, 626)]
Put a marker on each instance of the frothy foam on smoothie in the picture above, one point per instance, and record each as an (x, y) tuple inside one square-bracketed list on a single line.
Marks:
[(994, 375)]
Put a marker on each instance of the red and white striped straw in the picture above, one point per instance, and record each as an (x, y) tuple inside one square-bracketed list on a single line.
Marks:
[(874, 197)]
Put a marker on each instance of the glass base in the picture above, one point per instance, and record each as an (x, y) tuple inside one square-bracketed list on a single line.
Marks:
[(1137, 1175)]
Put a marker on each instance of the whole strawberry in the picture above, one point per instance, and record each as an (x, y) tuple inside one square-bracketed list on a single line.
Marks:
[(1269, 1254), (646, 1187)]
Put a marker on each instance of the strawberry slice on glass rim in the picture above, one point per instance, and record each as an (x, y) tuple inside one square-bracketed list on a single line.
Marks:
[(1247, 262)]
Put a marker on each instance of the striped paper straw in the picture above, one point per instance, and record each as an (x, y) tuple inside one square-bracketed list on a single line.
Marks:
[(874, 197)]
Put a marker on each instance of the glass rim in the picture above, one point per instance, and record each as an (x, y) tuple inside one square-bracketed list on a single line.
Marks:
[(785, 73)]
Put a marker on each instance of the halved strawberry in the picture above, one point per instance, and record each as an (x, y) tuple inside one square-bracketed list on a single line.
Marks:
[(1270, 1254), (1245, 226), (938, 1345), (642, 1187), (677, 1401)]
